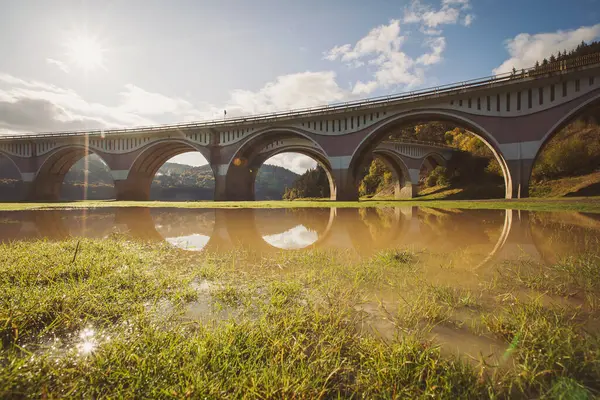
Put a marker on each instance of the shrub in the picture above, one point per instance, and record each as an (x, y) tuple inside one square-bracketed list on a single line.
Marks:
[(565, 157), (437, 177)]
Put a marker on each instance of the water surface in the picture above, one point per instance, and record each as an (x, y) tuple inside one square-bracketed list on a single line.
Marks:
[(459, 251)]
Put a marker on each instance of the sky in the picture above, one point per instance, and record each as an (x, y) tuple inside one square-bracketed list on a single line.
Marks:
[(71, 65)]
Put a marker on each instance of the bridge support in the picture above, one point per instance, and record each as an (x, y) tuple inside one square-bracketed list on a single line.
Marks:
[(134, 188), (43, 188), (520, 175), (235, 183), (408, 191), (345, 185)]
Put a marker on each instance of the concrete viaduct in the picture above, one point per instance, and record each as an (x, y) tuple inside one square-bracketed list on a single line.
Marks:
[(514, 114)]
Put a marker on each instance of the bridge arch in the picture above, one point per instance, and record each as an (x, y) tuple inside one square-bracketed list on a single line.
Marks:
[(563, 122), (239, 173), (570, 117), (11, 191), (139, 177), (49, 177), (403, 183), (322, 161), (370, 141), (432, 160)]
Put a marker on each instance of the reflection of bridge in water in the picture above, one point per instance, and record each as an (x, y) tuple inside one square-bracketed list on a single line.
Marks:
[(495, 234)]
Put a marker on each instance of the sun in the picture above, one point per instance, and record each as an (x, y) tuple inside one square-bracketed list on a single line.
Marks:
[(86, 52)]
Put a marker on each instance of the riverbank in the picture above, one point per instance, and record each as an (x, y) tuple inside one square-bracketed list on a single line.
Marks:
[(581, 204), (587, 185), (119, 318)]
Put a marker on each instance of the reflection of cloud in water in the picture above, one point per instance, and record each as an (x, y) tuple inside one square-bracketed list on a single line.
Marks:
[(296, 238), (194, 242)]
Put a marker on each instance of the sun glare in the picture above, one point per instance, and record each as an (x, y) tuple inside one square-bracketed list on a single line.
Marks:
[(86, 52)]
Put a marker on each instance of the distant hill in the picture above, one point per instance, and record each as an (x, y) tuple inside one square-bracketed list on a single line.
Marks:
[(172, 182), (182, 182)]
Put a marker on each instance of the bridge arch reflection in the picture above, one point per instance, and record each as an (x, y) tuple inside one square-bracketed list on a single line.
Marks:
[(489, 236)]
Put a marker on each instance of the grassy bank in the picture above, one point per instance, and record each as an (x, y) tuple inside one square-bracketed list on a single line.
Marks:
[(114, 318), (568, 187), (582, 204)]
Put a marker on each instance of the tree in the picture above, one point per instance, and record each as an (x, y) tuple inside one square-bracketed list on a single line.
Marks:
[(374, 180), (314, 183)]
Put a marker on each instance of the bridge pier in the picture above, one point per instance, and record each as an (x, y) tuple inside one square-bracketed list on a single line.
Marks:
[(235, 183), (134, 188), (346, 186), (43, 188), (520, 175)]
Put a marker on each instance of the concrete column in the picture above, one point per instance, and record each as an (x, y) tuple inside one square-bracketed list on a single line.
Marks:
[(220, 188), (135, 187), (408, 191), (410, 187), (519, 158), (235, 183), (345, 185), (520, 174), (43, 188)]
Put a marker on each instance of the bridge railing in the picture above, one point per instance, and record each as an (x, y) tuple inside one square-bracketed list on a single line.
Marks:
[(421, 142), (449, 89)]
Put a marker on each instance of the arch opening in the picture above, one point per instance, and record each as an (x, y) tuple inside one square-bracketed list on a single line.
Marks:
[(385, 175), (88, 178), (445, 155), (568, 161), (291, 175), (183, 177), (267, 164), (11, 182), (170, 170)]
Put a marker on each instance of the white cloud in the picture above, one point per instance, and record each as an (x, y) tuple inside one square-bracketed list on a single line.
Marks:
[(337, 52), (437, 46), (137, 100), (295, 162), (62, 109), (380, 48), (525, 49), (364, 88), (463, 3), (468, 19), (446, 15), (432, 19), (59, 64), (300, 90), (32, 106)]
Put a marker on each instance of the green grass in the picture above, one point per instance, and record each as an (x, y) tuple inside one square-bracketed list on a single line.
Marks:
[(582, 204), (114, 318)]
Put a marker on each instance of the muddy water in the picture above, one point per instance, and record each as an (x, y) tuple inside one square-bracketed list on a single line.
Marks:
[(480, 235), (458, 249)]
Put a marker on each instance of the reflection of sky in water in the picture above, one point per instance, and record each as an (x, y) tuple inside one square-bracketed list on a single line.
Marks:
[(195, 242), (296, 238)]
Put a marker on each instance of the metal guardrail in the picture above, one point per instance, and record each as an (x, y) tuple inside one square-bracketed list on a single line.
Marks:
[(452, 88), (421, 142)]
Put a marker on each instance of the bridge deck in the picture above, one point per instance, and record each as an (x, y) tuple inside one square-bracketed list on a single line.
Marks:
[(558, 67)]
